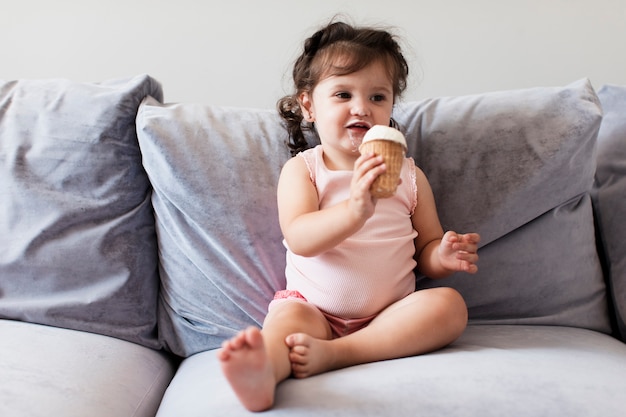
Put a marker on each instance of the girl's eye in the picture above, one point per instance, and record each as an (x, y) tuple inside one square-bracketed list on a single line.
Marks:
[(343, 95), (378, 97)]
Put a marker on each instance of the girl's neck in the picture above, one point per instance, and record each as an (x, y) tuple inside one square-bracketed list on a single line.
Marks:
[(335, 161)]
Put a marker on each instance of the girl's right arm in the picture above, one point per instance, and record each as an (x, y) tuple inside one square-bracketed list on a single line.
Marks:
[(310, 231)]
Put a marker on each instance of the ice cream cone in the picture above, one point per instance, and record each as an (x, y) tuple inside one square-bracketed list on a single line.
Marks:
[(391, 145)]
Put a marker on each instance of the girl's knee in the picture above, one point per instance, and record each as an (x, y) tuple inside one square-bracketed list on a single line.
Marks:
[(454, 297), (453, 307), (459, 308), (297, 316), (292, 308)]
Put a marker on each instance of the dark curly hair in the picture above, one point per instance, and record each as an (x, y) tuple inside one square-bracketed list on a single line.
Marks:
[(358, 47)]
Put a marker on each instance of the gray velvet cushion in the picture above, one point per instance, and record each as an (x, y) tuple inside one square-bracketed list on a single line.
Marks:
[(214, 171), (77, 239), (517, 167), (610, 195)]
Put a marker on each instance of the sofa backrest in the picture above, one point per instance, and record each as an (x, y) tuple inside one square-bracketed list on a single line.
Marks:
[(518, 167), (515, 166), (609, 196), (214, 172)]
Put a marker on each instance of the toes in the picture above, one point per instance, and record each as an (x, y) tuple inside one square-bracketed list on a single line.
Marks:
[(299, 371), (250, 337), (298, 356), (300, 349), (238, 341), (297, 339), (253, 337), (228, 346), (290, 341), (223, 354)]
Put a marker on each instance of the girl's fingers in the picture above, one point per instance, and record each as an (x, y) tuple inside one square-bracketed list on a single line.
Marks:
[(368, 167)]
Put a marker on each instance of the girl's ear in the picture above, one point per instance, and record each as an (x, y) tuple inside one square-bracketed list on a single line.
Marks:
[(306, 106)]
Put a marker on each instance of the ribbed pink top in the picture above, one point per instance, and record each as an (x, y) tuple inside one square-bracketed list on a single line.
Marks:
[(371, 269)]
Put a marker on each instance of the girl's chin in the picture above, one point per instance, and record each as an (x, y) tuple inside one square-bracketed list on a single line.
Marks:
[(355, 141)]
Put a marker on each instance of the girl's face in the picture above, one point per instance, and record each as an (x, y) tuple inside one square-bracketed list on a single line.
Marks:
[(344, 107)]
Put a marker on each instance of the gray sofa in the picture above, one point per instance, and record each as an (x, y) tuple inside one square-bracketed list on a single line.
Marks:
[(135, 236)]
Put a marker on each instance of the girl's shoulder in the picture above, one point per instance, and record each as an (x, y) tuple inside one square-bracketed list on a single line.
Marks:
[(415, 171), (301, 165), (307, 161), (294, 164), (419, 175), (311, 154)]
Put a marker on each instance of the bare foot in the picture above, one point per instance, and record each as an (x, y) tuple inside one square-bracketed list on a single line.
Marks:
[(309, 356), (247, 368)]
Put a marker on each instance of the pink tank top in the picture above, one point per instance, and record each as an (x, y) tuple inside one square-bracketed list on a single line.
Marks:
[(371, 269)]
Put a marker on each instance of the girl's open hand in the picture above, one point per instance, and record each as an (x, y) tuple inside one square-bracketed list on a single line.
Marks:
[(458, 252), (366, 169)]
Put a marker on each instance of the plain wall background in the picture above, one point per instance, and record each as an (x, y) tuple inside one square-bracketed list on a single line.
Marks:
[(239, 53)]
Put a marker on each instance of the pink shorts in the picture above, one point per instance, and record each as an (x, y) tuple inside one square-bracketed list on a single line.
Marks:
[(339, 326)]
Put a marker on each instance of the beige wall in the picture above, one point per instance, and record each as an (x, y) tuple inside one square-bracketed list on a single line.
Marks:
[(239, 52)]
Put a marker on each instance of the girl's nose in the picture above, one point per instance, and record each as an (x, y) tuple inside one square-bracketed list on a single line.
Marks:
[(360, 107)]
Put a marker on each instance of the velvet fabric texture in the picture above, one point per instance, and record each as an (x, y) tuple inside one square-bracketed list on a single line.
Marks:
[(214, 171), (610, 197), (517, 167), (77, 239)]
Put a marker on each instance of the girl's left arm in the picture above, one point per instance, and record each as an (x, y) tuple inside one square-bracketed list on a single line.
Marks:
[(438, 254)]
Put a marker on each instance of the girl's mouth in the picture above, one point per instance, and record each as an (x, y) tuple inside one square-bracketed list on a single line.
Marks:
[(358, 127), (357, 131)]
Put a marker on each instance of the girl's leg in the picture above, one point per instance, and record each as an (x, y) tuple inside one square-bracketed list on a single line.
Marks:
[(424, 321), (255, 361)]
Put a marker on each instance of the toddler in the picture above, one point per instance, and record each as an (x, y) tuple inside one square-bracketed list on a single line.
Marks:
[(350, 296)]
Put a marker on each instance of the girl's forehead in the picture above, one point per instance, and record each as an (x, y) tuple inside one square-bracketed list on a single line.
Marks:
[(374, 72), (335, 62)]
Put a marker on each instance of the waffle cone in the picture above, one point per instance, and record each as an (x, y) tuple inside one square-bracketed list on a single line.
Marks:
[(393, 153)]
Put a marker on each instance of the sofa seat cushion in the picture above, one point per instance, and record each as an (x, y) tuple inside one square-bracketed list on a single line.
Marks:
[(48, 371), (499, 370)]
